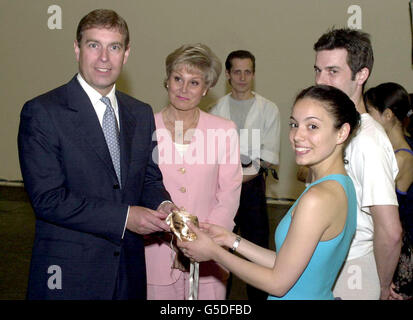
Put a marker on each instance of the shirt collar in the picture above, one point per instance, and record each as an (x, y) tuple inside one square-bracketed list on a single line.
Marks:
[(94, 95)]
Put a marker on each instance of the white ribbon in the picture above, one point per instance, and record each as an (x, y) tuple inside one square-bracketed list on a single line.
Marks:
[(193, 280)]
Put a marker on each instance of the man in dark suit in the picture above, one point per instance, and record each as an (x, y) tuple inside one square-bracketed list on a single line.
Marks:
[(86, 158)]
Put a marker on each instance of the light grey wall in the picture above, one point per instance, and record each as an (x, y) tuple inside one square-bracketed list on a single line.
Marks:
[(280, 33)]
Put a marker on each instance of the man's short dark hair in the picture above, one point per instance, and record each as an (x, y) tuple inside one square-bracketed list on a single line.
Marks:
[(240, 54), (357, 44), (103, 18)]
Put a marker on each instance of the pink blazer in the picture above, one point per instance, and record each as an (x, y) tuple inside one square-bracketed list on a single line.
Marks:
[(206, 181)]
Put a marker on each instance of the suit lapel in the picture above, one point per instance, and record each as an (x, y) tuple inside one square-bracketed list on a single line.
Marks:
[(86, 122)]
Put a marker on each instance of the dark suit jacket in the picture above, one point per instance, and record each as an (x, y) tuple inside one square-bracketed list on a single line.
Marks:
[(80, 208)]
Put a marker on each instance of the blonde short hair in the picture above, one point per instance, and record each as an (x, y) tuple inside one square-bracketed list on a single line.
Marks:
[(195, 56)]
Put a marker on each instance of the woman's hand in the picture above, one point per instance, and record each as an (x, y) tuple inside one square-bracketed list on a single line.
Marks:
[(220, 235), (201, 249)]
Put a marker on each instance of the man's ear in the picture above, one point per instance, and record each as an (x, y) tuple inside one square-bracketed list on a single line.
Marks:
[(77, 49), (127, 51), (343, 133), (362, 76)]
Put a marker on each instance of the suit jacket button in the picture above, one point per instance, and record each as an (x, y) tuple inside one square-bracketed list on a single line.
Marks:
[(182, 189), (116, 186), (116, 253)]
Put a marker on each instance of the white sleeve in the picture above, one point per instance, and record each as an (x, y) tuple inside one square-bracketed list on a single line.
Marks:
[(270, 139), (375, 168)]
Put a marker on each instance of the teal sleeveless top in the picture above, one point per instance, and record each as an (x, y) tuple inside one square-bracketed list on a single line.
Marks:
[(318, 278)]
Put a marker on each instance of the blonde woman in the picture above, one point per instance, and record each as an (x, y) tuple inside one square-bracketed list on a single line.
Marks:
[(198, 154)]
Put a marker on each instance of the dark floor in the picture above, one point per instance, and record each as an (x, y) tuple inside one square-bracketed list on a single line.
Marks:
[(17, 234)]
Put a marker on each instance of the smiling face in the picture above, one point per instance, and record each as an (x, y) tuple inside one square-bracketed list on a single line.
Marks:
[(101, 55), (186, 87), (313, 136)]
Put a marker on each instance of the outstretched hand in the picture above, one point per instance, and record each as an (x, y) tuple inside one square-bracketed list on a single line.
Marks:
[(220, 235), (201, 249)]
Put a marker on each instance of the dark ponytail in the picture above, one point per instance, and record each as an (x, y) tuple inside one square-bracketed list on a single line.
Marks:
[(392, 96)]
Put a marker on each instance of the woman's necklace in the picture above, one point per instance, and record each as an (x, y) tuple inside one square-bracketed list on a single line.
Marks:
[(179, 128)]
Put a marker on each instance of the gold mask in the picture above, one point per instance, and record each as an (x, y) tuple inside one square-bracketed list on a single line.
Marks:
[(177, 222)]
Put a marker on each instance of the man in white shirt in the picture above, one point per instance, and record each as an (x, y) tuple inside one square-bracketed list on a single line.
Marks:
[(344, 59), (258, 121)]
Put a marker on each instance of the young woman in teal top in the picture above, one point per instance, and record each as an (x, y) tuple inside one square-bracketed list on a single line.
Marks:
[(313, 238)]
